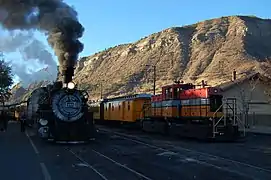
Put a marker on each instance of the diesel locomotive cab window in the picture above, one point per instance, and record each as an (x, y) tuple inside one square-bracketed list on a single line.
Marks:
[(215, 103), (175, 93), (168, 93)]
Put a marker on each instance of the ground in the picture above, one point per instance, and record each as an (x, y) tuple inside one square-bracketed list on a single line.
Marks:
[(119, 154)]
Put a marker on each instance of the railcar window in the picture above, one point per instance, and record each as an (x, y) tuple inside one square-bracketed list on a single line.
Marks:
[(215, 103), (128, 106)]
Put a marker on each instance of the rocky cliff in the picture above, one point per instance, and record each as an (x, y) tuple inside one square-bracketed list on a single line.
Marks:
[(207, 50)]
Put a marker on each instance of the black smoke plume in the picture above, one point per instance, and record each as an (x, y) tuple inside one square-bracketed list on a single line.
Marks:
[(53, 17)]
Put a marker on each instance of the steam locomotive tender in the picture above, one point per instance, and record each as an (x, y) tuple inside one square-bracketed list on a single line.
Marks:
[(60, 113)]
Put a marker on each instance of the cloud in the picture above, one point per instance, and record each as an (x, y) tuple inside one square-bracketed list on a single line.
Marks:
[(33, 55)]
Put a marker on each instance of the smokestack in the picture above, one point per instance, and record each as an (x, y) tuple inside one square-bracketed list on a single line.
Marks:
[(68, 73), (234, 75)]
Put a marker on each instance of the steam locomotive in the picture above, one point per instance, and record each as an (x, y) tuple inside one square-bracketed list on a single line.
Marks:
[(60, 113)]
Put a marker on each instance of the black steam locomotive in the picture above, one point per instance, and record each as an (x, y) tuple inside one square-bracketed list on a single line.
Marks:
[(60, 113)]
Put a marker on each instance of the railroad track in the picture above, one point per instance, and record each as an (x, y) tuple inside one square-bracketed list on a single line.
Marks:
[(137, 175), (243, 169), (106, 160), (100, 169)]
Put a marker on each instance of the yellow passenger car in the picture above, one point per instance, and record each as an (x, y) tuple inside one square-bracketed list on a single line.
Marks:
[(126, 108)]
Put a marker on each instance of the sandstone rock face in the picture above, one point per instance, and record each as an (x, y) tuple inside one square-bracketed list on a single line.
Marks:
[(207, 50)]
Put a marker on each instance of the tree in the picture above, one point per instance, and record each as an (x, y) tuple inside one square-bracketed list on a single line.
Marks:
[(5, 80)]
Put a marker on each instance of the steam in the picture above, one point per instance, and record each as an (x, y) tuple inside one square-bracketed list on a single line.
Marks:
[(30, 48), (36, 50), (13, 41), (53, 17), (29, 78)]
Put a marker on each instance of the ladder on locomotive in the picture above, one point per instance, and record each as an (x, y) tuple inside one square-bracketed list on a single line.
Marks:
[(229, 117)]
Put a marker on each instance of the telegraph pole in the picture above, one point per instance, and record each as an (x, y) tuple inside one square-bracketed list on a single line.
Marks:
[(101, 85), (154, 77)]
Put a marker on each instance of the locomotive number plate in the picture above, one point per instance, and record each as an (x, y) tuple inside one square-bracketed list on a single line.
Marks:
[(70, 105)]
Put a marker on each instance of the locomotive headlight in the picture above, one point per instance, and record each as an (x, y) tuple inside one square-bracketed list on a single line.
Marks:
[(43, 122), (71, 85)]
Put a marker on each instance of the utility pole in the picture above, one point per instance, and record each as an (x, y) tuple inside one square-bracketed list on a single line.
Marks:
[(154, 77), (101, 85)]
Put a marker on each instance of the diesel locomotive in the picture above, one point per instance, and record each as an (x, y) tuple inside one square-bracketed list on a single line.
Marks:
[(181, 109)]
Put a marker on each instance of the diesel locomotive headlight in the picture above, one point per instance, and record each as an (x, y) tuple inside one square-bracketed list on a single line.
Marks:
[(71, 85), (43, 122)]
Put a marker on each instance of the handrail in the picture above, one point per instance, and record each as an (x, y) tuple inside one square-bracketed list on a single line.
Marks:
[(14, 104), (219, 120), (218, 109), (213, 120), (225, 114)]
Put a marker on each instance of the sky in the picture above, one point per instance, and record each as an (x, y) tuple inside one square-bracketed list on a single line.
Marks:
[(108, 23)]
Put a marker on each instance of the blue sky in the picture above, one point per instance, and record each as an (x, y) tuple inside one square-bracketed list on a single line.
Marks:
[(108, 23)]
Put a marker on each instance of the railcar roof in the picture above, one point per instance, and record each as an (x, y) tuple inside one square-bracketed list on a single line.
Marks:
[(135, 96), (177, 85)]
